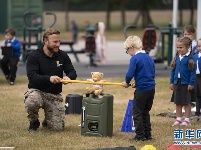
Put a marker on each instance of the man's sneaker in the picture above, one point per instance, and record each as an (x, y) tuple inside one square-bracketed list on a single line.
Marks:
[(11, 83), (185, 123), (176, 123), (34, 126)]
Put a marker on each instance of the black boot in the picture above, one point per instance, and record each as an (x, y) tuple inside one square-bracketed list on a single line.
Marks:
[(44, 123), (34, 125)]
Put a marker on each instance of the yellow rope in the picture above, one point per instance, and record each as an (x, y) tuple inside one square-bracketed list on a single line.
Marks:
[(88, 82)]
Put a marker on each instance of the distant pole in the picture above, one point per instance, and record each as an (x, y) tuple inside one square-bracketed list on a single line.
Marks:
[(198, 19), (174, 25)]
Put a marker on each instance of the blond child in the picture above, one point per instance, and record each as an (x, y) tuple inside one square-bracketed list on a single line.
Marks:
[(142, 69)]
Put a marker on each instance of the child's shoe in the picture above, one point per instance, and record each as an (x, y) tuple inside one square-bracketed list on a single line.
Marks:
[(176, 123), (185, 123)]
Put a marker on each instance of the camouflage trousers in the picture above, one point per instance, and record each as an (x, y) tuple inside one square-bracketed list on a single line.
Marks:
[(52, 105)]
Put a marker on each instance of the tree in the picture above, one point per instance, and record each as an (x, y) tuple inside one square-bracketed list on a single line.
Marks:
[(192, 4), (114, 4), (122, 8), (66, 15), (180, 13), (144, 13), (108, 10)]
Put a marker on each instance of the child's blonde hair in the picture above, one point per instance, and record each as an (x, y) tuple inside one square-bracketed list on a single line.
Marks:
[(188, 43), (198, 40), (133, 41)]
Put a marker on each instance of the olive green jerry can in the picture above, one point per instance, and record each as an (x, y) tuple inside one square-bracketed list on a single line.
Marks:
[(97, 115)]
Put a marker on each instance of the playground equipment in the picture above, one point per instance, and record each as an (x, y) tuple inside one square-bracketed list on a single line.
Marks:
[(126, 28), (156, 45), (90, 44), (32, 36), (149, 37), (169, 32), (11, 13), (31, 33)]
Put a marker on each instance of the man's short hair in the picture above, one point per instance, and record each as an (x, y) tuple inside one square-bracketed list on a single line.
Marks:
[(50, 31)]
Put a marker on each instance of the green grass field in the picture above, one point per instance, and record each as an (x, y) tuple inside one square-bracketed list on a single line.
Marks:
[(14, 123)]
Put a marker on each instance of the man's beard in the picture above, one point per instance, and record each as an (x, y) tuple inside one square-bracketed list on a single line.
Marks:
[(51, 49)]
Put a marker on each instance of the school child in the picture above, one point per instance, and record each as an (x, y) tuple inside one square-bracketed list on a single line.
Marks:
[(198, 78), (9, 63), (189, 31), (101, 44), (74, 31), (182, 80), (142, 69)]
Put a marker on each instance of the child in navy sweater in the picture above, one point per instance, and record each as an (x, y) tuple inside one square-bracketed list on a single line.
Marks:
[(142, 69), (198, 78), (9, 63), (182, 80), (189, 31)]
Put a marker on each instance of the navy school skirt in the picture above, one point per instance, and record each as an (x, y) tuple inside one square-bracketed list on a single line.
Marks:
[(181, 94)]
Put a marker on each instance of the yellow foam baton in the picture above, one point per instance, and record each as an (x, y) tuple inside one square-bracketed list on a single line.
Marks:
[(89, 82)]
